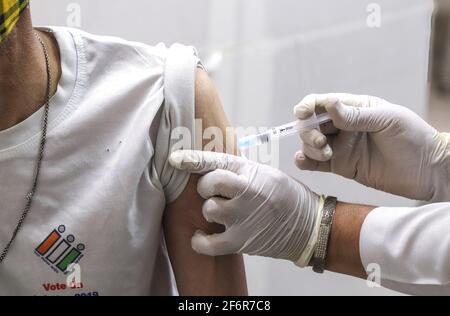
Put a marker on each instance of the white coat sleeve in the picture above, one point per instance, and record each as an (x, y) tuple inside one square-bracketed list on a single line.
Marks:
[(411, 247)]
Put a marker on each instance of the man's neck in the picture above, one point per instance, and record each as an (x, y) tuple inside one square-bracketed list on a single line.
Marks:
[(23, 73)]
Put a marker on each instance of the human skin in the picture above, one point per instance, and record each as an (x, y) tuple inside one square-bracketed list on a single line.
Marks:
[(198, 274), (343, 248), (23, 81)]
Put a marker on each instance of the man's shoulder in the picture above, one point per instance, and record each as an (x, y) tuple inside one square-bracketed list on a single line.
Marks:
[(117, 47)]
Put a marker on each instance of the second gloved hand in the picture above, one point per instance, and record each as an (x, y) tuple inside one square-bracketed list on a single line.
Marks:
[(265, 212), (377, 143)]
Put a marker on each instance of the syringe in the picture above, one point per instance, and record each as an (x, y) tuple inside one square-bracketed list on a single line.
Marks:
[(293, 128)]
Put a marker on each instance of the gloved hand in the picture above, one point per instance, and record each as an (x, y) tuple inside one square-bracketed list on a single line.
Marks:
[(379, 144), (264, 211)]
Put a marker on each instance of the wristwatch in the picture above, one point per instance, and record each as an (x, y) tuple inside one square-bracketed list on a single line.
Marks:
[(320, 252)]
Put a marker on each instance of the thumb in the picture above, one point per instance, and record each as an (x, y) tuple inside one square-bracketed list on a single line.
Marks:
[(203, 161), (210, 245), (355, 119)]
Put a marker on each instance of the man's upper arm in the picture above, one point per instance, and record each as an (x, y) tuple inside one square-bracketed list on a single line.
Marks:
[(198, 274)]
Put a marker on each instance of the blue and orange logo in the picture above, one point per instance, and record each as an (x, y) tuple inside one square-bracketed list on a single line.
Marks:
[(57, 250)]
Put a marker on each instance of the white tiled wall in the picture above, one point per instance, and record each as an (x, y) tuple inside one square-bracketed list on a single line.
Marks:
[(272, 53)]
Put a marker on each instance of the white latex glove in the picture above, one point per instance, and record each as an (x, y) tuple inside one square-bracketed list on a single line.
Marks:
[(264, 211), (379, 144)]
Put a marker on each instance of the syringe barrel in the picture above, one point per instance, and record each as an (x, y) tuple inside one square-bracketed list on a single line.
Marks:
[(285, 130)]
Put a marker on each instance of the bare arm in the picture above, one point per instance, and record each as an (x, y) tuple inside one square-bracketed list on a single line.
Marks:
[(198, 274), (343, 252), (410, 245)]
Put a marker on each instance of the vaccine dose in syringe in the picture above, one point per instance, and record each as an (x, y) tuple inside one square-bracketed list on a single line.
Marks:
[(293, 128)]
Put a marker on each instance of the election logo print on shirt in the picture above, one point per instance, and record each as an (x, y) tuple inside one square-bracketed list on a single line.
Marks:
[(57, 250)]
